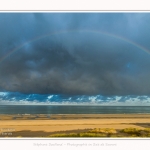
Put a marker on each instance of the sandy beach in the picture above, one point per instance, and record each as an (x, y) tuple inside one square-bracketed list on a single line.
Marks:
[(26, 125)]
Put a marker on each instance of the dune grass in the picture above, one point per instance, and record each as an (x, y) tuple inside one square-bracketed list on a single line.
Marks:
[(134, 132), (108, 132)]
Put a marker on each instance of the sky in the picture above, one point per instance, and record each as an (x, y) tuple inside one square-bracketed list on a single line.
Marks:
[(75, 53)]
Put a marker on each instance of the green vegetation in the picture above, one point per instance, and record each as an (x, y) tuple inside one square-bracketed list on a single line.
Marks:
[(78, 135), (134, 132), (103, 130), (108, 132)]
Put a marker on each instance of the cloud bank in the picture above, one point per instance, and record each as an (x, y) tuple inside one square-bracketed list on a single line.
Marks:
[(73, 60), (15, 98)]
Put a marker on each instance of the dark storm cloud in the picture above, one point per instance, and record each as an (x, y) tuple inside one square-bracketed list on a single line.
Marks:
[(75, 62)]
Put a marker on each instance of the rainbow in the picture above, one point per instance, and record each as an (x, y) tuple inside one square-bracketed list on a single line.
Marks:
[(71, 31)]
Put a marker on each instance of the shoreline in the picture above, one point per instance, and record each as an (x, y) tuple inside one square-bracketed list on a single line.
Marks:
[(73, 116)]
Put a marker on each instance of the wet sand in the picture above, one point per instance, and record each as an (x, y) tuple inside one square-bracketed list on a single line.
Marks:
[(39, 125)]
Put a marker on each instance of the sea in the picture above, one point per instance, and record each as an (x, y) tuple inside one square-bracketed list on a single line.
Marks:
[(65, 109)]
